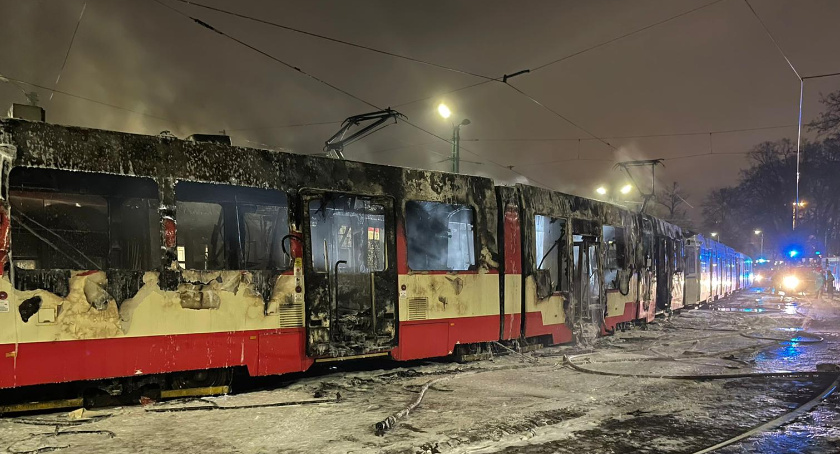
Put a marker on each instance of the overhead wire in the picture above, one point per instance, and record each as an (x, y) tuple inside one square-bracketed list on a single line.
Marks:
[(12, 80), (292, 125), (69, 47), (324, 82), (566, 57), (266, 54), (335, 40), (638, 136), (617, 38), (801, 97), (559, 115)]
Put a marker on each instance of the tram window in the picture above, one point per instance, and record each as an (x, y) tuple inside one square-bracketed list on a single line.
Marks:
[(550, 246), (75, 220), (439, 236), (615, 255), (263, 228), (691, 259), (201, 236), (224, 227), (350, 229)]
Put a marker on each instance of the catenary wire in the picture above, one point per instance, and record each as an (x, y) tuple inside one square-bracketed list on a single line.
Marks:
[(639, 136), (617, 38), (69, 47), (336, 40), (72, 95), (311, 76)]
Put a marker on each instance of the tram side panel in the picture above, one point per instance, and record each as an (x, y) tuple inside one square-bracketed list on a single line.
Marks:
[(510, 248), (448, 264), (90, 295), (621, 279), (546, 251), (693, 271), (704, 256)]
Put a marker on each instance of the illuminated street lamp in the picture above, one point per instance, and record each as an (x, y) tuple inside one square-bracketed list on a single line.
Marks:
[(626, 189), (601, 190), (715, 236), (759, 232), (445, 112), (796, 206)]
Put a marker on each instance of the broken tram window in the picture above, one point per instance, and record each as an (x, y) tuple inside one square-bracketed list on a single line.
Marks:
[(550, 244), (439, 236), (223, 227), (614, 259), (347, 229), (76, 220)]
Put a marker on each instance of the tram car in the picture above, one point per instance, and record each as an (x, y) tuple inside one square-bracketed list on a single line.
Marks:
[(141, 262), (714, 270)]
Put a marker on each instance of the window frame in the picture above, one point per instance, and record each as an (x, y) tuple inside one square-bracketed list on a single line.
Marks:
[(619, 245), (475, 237), (372, 200), (563, 267), (111, 189), (233, 220)]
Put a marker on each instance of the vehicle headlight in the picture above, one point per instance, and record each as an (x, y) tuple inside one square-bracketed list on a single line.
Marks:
[(758, 278), (790, 282)]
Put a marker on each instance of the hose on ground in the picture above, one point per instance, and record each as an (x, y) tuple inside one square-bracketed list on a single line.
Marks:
[(240, 407), (391, 421), (569, 361), (814, 339), (781, 420)]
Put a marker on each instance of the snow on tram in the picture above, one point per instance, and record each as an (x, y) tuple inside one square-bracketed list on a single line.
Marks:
[(150, 264)]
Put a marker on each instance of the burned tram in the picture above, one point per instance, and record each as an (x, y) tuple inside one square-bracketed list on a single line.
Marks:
[(157, 262)]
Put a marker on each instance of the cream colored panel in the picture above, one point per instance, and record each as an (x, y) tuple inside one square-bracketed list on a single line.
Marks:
[(551, 307), (513, 294), (450, 295), (616, 302), (228, 302)]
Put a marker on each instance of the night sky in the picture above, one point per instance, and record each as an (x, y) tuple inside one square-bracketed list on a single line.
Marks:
[(708, 70)]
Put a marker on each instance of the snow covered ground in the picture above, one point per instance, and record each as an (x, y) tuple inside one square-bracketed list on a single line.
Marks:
[(619, 399)]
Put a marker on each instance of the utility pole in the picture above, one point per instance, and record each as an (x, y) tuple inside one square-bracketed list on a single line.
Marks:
[(445, 112), (456, 145)]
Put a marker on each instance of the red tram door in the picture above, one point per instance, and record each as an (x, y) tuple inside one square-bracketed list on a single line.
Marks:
[(350, 274)]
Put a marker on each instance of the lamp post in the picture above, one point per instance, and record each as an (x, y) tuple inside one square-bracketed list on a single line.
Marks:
[(796, 213), (715, 236), (444, 112), (759, 232)]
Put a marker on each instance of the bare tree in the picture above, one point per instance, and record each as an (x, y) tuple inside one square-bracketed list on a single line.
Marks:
[(828, 122), (670, 205)]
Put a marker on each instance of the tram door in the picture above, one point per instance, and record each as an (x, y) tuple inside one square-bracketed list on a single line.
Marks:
[(586, 280), (351, 277), (663, 261)]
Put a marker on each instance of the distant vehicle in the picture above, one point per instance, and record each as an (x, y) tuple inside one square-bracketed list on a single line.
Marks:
[(795, 280)]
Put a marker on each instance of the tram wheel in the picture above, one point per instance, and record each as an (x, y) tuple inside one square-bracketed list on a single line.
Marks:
[(201, 378)]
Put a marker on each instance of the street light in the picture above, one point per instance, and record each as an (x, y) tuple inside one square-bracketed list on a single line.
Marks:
[(601, 190), (715, 236), (626, 189), (444, 112), (796, 214), (759, 232)]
